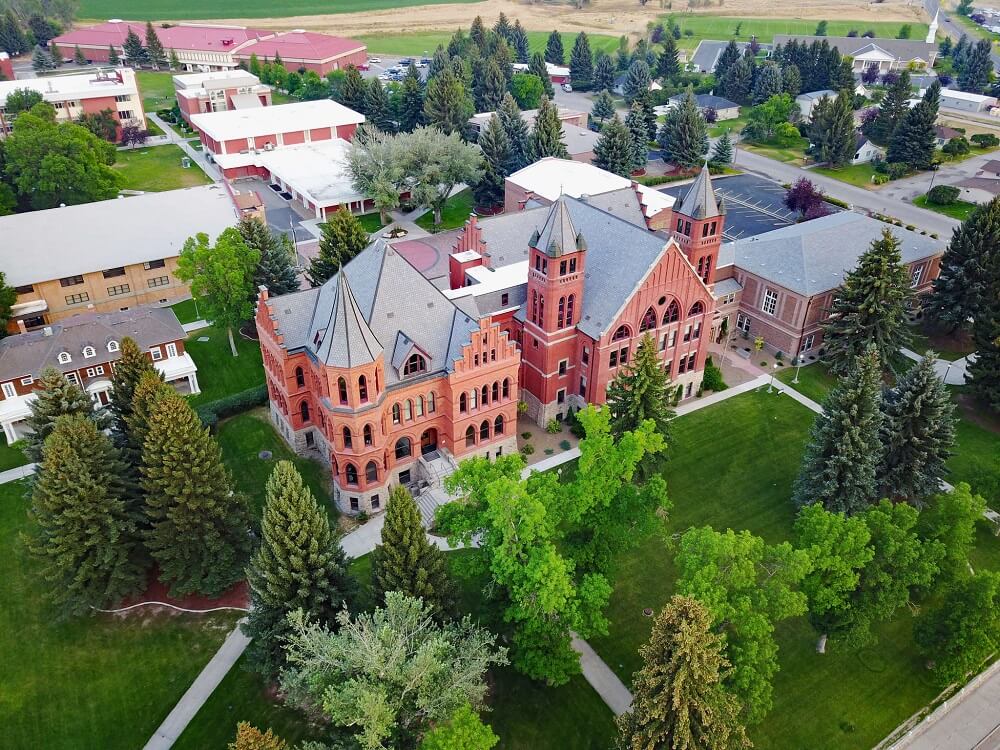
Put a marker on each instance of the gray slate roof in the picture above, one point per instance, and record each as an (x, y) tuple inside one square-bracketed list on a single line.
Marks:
[(813, 257), (901, 49), (379, 297), (700, 202), (708, 101), (558, 235), (30, 353)]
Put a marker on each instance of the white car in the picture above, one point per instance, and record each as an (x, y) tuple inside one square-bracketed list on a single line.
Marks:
[(374, 59), (384, 76), (567, 88)]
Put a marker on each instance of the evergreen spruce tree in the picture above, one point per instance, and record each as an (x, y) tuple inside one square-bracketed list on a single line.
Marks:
[(78, 57), (343, 238), (275, 269), (768, 83), (738, 83), (604, 107), (914, 140), (377, 109), (278, 62), (840, 465), (447, 103), (299, 565), (407, 562), (353, 90), (155, 53), (411, 110), (679, 700), (440, 60), (669, 65), (135, 53), (870, 306), (149, 389), (684, 135), (554, 49), (199, 527), (84, 539), (131, 365), (503, 27), (918, 432), (974, 75), (970, 264), (984, 373), (55, 396), (13, 40), (56, 55), (497, 159), (637, 81), (41, 60), (490, 88), (547, 137), (175, 62), (891, 112), (791, 80), (636, 123), (518, 135), (604, 72), (537, 68), (641, 391), (832, 130), (730, 55), (519, 41), (581, 64), (722, 152), (113, 58), (615, 149)]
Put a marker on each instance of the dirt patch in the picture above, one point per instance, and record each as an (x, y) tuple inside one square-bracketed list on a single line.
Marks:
[(236, 596), (973, 411), (600, 17), (545, 444)]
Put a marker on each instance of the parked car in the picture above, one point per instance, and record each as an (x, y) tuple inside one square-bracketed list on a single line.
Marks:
[(424, 62), (384, 76), (567, 88), (374, 59), (405, 62)]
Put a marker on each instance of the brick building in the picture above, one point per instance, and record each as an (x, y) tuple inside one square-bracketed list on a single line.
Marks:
[(6, 67), (85, 348), (83, 93), (220, 91), (208, 47)]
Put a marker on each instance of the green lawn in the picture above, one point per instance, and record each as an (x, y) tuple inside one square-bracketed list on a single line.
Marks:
[(957, 210), (172, 10), (815, 381), (734, 127), (243, 437), (157, 168), (854, 174), (425, 42), (455, 213), (219, 372), (157, 88), (11, 456), (371, 222), (791, 152), (721, 27), (90, 682), (841, 700), (152, 128), (186, 311)]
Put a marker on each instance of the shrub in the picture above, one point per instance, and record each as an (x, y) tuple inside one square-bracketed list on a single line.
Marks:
[(942, 195), (678, 394), (527, 449), (956, 147), (362, 517), (985, 140), (897, 169), (565, 445), (526, 435), (553, 427), (522, 407), (910, 227), (236, 403), (880, 179)]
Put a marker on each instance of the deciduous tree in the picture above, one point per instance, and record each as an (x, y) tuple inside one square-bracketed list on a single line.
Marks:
[(248, 737), (434, 163), (463, 731), (950, 518)]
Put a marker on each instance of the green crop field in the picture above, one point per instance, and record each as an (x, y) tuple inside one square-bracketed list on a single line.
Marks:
[(172, 10), (721, 27)]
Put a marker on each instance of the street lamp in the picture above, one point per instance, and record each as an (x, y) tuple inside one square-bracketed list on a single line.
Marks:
[(946, 371), (770, 385), (798, 366), (934, 169)]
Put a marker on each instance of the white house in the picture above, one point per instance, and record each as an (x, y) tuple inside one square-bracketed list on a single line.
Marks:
[(807, 102), (865, 151)]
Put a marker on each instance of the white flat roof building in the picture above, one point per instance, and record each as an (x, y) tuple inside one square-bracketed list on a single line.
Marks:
[(222, 79), (317, 172), (282, 118)]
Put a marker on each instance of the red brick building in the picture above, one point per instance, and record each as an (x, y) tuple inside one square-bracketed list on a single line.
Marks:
[(6, 67)]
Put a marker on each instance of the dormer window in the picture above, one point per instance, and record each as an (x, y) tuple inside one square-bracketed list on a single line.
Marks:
[(113, 346), (416, 363), (64, 358), (89, 351)]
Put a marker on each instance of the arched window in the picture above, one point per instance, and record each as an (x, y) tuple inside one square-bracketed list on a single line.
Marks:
[(673, 313), (395, 414), (363, 388), (696, 309), (300, 377), (403, 447), (371, 472), (369, 440), (486, 395), (648, 320), (621, 333), (408, 410), (414, 364), (484, 430), (342, 390), (113, 346), (506, 388), (89, 351), (541, 308), (64, 358), (420, 406), (304, 411), (570, 303), (351, 473), (561, 312), (470, 436), (473, 399), (534, 306), (496, 391), (348, 442), (430, 403), (498, 425), (463, 402)]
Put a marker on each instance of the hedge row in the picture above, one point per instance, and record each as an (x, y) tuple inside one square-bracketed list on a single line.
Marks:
[(213, 411)]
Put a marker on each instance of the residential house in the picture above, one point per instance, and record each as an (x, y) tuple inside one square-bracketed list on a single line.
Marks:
[(865, 151), (105, 256), (943, 134), (85, 348), (558, 74), (884, 54), (706, 55), (807, 101), (723, 108), (218, 92), (619, 85), (579, 139)]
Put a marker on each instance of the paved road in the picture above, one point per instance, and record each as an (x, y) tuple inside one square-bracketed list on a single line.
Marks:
[(948, 174), (859, 197), (952, 29)]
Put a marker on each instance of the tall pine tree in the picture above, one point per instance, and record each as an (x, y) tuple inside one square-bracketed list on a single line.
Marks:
[(518, 135), (537, 68), (840, 465), (679, 700), (275, 269), (730, 55), (299, 565), (832, 130), (604, 72), (135, 53), (343, 238), (768, 83), (637, 126), (407, 562), (83, 536), (891, 112), (199, 527), (554, 49), (447, 103), (353, 90), (581, 64), (490, 88), (974, 75), (914, 140), (668, 65), (155, 53), (722, 151), (984, 372), (637, 81), (918, 432), (376, 106), (55, 396), (411, 101), (870, 306), (641, 391), (547, 135), (684, 135), (497, 160), (603, 109), (519, 41), (615, 150)]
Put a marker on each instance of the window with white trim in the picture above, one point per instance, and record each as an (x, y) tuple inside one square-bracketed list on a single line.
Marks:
[(155, 353), (8, 390), (917, 276), (743, 322), (28, 380), (72, 377), (89, 351), (64, 358), (807, 342), (770, 303), (171, 350), (113, 346)]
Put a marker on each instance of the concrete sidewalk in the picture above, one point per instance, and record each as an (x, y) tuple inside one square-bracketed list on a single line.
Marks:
[(18, 472), (605, 682)]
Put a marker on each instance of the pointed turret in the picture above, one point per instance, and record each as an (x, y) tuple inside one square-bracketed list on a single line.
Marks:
[(698, 225), (700, 201), (558, 235), (344, 339)]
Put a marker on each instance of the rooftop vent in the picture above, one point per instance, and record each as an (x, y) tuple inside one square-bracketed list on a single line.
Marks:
[(47, 331)]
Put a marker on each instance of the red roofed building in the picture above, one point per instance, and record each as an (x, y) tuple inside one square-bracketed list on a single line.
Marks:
[(6, 68), (206, 47)]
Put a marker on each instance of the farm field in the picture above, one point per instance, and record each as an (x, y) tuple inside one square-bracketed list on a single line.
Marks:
[(175, 10)]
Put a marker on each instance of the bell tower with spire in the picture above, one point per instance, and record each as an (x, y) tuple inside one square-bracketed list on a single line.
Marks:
[(698, 222)]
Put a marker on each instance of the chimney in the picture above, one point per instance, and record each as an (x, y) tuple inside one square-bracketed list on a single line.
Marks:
[(21, 328)]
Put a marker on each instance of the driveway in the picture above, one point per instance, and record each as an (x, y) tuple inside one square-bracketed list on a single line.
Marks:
[(948, 174)]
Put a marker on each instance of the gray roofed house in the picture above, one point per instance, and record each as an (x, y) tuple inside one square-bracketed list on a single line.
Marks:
[(887, 54), (724, 108), (706, 55)]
